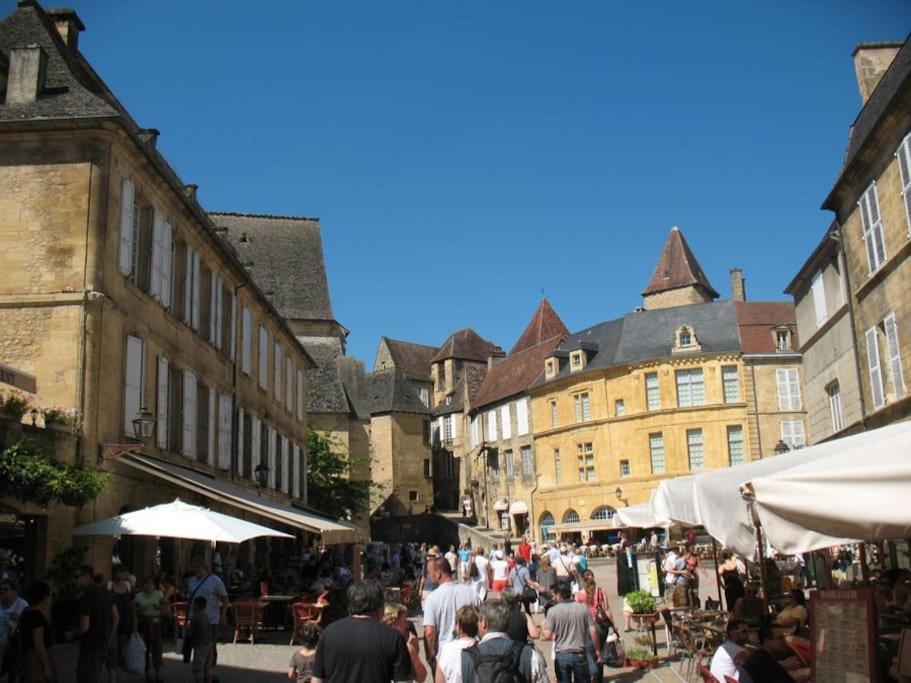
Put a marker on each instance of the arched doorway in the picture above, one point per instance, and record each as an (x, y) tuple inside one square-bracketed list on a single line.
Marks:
[(546, 523)]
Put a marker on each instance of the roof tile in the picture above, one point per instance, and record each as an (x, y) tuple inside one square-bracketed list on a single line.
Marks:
[(677, 267), (515, 373), (544, 324), (466, 344)]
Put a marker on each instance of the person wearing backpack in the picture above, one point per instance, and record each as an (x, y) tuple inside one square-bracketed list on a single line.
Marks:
[(497, 658)]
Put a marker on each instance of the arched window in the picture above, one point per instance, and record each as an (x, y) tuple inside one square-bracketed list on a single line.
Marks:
[(571, 517), (547, 519), (547, 523), (603, 512)]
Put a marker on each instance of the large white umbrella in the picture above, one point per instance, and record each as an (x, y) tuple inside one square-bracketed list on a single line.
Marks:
[(861, 492), (179, 520), (638, 517)]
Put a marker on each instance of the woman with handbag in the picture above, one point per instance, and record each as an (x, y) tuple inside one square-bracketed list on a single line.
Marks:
[(524, 588)]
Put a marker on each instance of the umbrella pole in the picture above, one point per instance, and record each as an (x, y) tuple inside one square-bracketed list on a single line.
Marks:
[(717, 573), (763, 575)]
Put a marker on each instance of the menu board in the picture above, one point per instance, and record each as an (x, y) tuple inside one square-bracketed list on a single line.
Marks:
[(842, 633)]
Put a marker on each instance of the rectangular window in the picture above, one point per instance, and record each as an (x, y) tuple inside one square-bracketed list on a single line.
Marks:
[(129, 225), (624, 468), (619, 407), (506, 422), (695, 449), (656, 452), (225, 413), (652, 391), (256, 442), (690, 388), (510, 466), (193, 270), (134, 382), (792, 433), (246, 341), (904, 164), (528, 465), (286, 466), (245, 440), (895, 359), (277, 372), (263, 358), (425, 396), (493, 462), (289, 383), (188, 447), (272, 453), (788, 388), (554, 421), (522, 416), (586, 458), (874, 241), (575, 361), (730, 383), (446, 425), (736, 454), (491, 425), (558, 470), (582, 407), (162, 254), (300, 395), (838, 419), (298, 467), (475, 431), (875, 368), (163, 403), (427, 468), (819, 298), (216, 312), (413, 497)]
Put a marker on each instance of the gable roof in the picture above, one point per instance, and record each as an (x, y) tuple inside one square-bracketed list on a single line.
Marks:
[(389, 391), (466, 344), (412, 359), (284, 255), (515, 373), (755, 320), (544, 324), (677, 267), (466, 387)]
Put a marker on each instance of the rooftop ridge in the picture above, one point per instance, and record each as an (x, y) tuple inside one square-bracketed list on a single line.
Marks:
[(275, 216), (677, 267)]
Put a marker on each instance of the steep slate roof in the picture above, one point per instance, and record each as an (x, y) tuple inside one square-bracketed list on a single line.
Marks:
[(756, 320), (515, 373), (412, 359), (389, 391), (545, 324), (286, 253), (472, 379), (325, 392), (677, 267), (466, 344)]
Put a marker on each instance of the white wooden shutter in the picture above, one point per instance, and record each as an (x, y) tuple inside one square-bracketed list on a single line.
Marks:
[(197, 277), (225, 412), (155, 284), (263, 357), (289, 383), (255, 441), (475, 433), (167, 261), (188, 288), (233, 327), (164, 402), (506, 426), (189, 415), (240, 442), (133, 384), (300, 394), (904, 164), (214, 311), (788, 389), (296, 479), (454, 424), (127, 236), (272, 458), (246, 340), (522, 416), (819, 299), (212, 430), (286, 463), (492, 425), (876, 373), (277, 373), (873, 233), (895, 359)]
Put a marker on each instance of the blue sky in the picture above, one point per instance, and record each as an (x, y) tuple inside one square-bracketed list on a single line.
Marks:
[(463, 156)]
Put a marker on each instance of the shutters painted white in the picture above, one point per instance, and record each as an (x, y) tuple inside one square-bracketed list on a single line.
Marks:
[(873, 228), (442, 423), (155, 283), (188, 447), (214, 311), (475, 431), (296, 479), (277, 373), (300, 395), (164, 403), (212, 428), (492, 425), (904, 163), (188, 288), (134, 371), (197, 279), (875, 368), (127, 227), (240, 442), (289, 383), (819, 299), (895, 359), (167, 263), (506, 422), (246, 341), (788, 389), (522, 416), (263, 357), (233, 326), (286, 461), (272, 456), (454, 425), (792, 433), (225, 412), (255, 441)]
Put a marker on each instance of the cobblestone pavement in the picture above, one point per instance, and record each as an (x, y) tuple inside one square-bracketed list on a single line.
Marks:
[(268, 659)]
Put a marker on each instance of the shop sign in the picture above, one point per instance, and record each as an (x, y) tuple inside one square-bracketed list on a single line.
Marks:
[(8, 518)]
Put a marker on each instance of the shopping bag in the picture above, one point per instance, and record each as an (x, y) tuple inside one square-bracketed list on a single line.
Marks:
[(134, 654)]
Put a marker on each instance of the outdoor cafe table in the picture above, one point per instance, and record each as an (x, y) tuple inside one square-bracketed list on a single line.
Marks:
[(276, 616)]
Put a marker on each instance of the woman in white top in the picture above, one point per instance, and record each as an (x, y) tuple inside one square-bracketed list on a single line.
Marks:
[(449, 660), (499, 568)]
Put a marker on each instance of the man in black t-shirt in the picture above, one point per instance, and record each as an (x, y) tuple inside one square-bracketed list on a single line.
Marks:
[(361, 647), (97, 623), (763, 665)]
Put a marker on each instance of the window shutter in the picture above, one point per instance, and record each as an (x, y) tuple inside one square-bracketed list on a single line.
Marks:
[(876, 376), (819, 299), (127, 237), (289, 383), (286, 479), (522, 416), (214, 290), (506, 423), (255, 441), (491, 425), (197, 277), (225, 412), (296, 479), (904, 163), (164, 379), (232, 329), (167, 264), (188, 288), (454, 423), (189, 414), (300, 394), (246, 340), (157, 249), (133, 374), (240, 442), (212, 434), (895, 359), (271, 450), (277, 373), (263, 357)]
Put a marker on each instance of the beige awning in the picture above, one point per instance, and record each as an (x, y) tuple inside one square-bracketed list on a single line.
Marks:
[(331, 532), (518, 508), (501, 505)]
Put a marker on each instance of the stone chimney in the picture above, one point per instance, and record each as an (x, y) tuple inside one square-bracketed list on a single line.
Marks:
[(738, 285), (68, 25), (871, 60), (27, 70)]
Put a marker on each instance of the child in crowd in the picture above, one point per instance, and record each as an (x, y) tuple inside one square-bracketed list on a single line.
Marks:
[(201, 639), (301, 666)]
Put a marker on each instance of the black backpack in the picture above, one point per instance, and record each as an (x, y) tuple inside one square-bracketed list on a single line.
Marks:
[(500, 667)]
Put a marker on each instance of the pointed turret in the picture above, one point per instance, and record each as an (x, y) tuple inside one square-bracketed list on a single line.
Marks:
[(544, 324), (678, 279)]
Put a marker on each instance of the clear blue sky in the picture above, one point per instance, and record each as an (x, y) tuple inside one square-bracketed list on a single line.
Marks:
[(463, 156)]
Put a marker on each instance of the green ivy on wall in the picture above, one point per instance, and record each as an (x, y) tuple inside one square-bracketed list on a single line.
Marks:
[(29, 474)]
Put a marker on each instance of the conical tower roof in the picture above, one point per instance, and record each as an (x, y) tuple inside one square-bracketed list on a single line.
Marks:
[(678, 268), (544, 324)]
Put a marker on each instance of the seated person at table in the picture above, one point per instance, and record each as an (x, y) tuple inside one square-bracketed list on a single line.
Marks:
[(750, 607), (763, 665), (885, 599), (794, 615), (731, 654)]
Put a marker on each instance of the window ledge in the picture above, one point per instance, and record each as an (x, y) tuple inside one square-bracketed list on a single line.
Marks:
[(876, 277)]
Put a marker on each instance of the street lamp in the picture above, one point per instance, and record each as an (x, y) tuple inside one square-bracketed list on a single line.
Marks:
[(781, 447), (143, 431), (144, 425)]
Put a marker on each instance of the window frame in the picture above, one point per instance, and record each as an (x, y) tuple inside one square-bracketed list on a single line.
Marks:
[(691, 444)]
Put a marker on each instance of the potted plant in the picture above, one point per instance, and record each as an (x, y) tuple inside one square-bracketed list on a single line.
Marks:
[(14, 404), (640, 658), (644, 607), (60, 419)]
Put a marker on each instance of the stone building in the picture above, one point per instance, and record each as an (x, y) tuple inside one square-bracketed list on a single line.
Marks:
[(119, 295), (682, 385)]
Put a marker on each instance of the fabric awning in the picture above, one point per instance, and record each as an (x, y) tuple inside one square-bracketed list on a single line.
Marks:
[(231, 494), (637, 516), (501, 505), (518, 508)]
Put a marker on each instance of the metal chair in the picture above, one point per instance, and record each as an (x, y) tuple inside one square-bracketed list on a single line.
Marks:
[(248, 616)]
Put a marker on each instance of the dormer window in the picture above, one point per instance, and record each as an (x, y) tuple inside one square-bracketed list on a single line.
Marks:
[(550, 367), (782, 339), (685, 339), (576, 360)]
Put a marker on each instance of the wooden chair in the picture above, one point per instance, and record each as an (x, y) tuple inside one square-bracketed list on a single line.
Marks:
[(179, 613), (304, 613), (248, 617), (705, 674)]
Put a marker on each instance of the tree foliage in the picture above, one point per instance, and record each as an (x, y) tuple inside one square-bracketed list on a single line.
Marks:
[(329, 489), (30, 474)]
